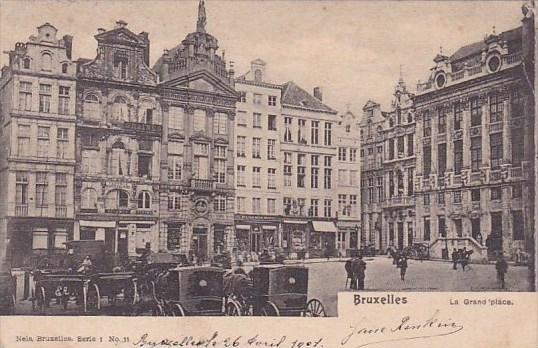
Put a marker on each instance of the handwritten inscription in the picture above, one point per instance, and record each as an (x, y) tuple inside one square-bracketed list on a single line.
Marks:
[(404, 329)]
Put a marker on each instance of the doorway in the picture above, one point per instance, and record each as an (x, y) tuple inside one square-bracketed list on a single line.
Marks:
[(400, 235), (199, 242), (494, 241)]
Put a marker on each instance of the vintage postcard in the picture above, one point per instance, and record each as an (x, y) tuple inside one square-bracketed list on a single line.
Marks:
[(363, 170)]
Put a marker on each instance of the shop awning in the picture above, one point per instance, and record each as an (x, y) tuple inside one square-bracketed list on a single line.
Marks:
[(324, 226), (269, 227), (103, 224), (297, 222), (242, 227)]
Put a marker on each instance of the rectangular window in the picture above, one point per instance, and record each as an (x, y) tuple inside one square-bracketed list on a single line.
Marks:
[(23, 140), (400, 145), (476, 112), (220, 124), (241, 118), (63, 100), (441, 198), (427, 130), (391, 149), (241, 176), (314, 132), (220, 151), (475, 195), (175, 117), (353, 155), (327, 161), (41, 188), (410, 181), (342, 205), (410, 145), (43, 141), (496, 146), (287, 129), (517, 191), (427, 153), (496, 193), (271, 122), (271, 145), (241, 204), (457, 196), (120, 66), (271, 100), (257, 120), (301, 131), (241, 140), (458, 156), (426, 199), (144, 166), (458, 115), (459, 227), (44, 97), (342, 154), (271, 178), (518, 146), (441, 226), (288, 175), (220, 170), (175, 166), (328, 134), (353, 204), (21, 190), (219, 204), (256, 177), (314, 207), (243, 97), (62, 142), (327, 208), (25, 96), (199, 120), (256, 147), (174, 201), (518, 225), (257, 98), (271, 206), (256, 205), (301, 174), (380, 193), (495, 107), (327, 179), (441, 118), (476, 154), (516, 102), (427, 232), (314, 177), (475, 230)]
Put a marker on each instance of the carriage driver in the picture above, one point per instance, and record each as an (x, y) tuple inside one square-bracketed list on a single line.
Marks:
[(238, 284)]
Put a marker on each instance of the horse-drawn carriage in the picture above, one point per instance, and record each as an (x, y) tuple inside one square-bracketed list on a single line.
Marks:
[(190, 291), (277, 290)]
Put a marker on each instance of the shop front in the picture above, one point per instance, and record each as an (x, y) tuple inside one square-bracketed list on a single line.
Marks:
[(254, 234), (294, 238), (323, 238)]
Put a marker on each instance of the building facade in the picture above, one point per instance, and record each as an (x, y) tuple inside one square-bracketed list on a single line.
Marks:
[(119, 125), (37, 136), (258, 183), (474, 148), (397, 224), (348, 188)]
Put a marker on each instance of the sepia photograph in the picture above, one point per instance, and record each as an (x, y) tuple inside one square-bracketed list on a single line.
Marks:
[(256, 158)]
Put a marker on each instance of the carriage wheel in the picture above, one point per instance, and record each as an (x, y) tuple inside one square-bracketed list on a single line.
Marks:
[(233, 309), (270, 310), (93, 297), (314, 308), (154, 290), (157, 311), (177, 310)]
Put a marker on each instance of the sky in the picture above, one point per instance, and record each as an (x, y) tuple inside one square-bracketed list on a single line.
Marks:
[(352, 49)]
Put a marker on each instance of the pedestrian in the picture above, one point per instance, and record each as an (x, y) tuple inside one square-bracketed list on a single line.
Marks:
[(455, 257), (464, 258), (402, 264), (358, 267), (501, 266), (349, 273)]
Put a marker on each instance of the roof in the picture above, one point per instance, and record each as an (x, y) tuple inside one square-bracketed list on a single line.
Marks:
[(295, 96), (477, 47)]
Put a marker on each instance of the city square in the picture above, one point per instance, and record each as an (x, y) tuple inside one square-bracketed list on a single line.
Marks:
[(169, 182)]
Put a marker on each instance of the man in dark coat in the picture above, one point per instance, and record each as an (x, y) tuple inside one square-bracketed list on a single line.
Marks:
[(402, 264), (455, 256), (358, 267), (501, 266)]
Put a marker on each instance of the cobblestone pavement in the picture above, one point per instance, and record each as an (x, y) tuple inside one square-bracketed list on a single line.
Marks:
[(326, 279)]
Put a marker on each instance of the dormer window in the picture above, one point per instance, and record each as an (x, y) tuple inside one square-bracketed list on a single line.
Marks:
[(64, 68), (46, 62), (120, 66), (26, 63), (258, 75), (494, 63), (348, 128), (440, 80)]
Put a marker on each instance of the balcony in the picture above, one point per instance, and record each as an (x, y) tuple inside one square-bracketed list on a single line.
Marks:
[(143, 127), (61, 211), (21, 210), (118, 211), (202, 184), (512, 58), (496, 127), (475, 178), (475, 206), (516, 172)]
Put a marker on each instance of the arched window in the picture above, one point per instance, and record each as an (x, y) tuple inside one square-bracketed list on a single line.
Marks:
[(119, 109), (64, 68), (91, 106), (116, 199), (46, 62), (144, 200), (119, 164), (26, 63), (89, 199), (147, 113), (258, 75)]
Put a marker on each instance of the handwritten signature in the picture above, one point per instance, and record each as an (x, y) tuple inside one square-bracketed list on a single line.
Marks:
[(405, 329)]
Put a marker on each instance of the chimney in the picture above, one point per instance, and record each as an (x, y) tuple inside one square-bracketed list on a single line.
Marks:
[(145, 37), (100, 30), (120, 24), (68, 41), (318, 94)]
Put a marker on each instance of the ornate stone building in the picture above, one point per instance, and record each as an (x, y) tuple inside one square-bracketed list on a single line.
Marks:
[(37, 160), (197, 163), (119, 125), (399, 171), (475, 148)]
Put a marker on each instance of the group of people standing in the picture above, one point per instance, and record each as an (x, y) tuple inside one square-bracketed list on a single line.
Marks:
[(356, 271), (461, 256)]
